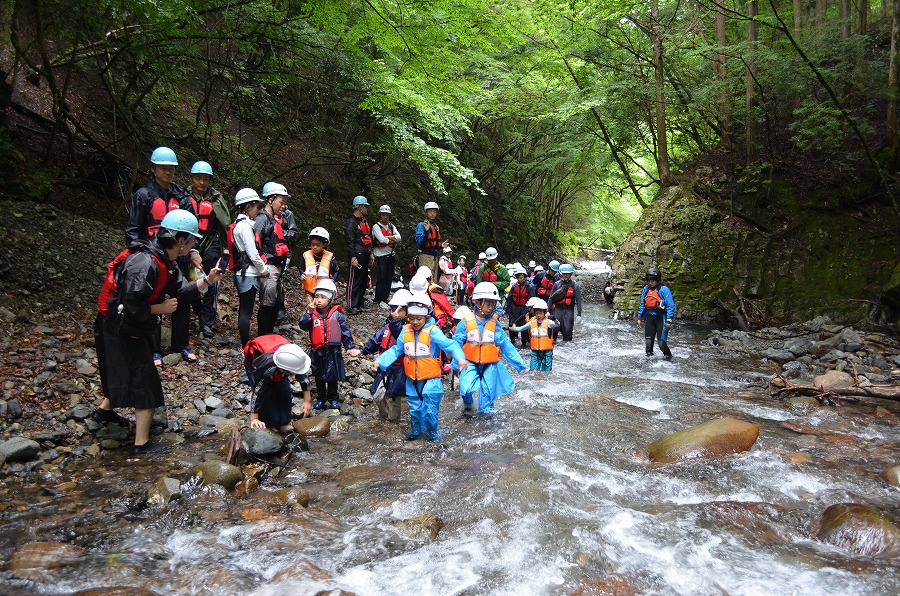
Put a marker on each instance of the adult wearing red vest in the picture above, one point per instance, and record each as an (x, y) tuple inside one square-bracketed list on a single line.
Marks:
[(429, 241), (129, 310), (275, 250), (359, 251), (386, 238)]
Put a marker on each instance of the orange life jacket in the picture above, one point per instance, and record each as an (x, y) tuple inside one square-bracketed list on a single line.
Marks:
[(238, 259), (568, 299), (316, 272), (385, 231), (109, 290), (432, 238), (326, 331), (418, 362), (158, 209), (652, 300), (545, 286), (481, 348), (520, 294), (541, 338), (204, 215), (264, 344)]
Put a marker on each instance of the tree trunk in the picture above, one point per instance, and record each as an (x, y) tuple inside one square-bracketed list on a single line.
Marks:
[(722, 75), (798, 16), (821, 16), (752, 147), (845, 18), (863, 16), (661, 143), (893, 90)]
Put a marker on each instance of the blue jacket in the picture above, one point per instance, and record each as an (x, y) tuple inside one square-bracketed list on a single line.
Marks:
[(495, 380), (668, 302), (439, 342)]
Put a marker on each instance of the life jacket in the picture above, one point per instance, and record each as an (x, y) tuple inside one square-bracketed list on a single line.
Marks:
[(489, 274), (463, 276), (316, 272), (158, 209), (365, 232), (274, 246), (432, 238), (264, 344), (238, 259), (545, 286), (541, 338), (387, 341), (520, 294), (652, 300), (418, 363), (109, 290), (481, 348), (385, 231), (326, 331), (568, 299), (440, 313), (205, 215)]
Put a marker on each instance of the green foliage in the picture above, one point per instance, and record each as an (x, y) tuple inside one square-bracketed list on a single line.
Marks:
[(817, 127)]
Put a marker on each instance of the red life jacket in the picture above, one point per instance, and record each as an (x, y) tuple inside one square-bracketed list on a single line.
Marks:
[(520, 294), (652, 300), (237, 259), (109, 290), (326, 331), (365, 233), (568, 298), (489, 274), (264, 344), (385, 231), (432, 238), (544, 286), (205, 215), (158, 209), (281, 247)]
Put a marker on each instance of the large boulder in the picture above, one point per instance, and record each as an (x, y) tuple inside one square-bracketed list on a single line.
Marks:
[(317, 426), (892, 476), (218, 472), (261, 441), (860, 529), (29, 561), (710, 440), (19, 449), (834, 379)]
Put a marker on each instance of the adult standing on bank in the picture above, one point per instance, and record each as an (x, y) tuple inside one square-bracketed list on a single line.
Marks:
[(275, 250), (428, 239), (658, 309), (386, 237), (359, 251)]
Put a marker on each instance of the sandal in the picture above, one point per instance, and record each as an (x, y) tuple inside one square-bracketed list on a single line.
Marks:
[(157, 360), (187, 356)]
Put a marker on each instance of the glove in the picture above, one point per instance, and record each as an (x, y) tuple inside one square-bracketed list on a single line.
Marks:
[(578, 320), (668, 321)]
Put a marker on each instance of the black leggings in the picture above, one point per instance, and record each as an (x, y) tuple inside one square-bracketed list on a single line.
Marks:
[(245, 314), (326, 390), (653, 328)]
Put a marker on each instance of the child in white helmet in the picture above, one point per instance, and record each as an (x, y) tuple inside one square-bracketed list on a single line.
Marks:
[(328, 331), (318, 262), (421, 347), (394, 380), (273, 360), (541, 336), (483, 340)]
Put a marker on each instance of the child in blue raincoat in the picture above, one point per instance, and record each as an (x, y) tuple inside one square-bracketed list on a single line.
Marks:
[(394, 379), (483, 340), (420, 345)]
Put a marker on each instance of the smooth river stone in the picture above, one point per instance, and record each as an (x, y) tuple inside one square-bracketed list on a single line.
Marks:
[(710, 440), (860, 529)]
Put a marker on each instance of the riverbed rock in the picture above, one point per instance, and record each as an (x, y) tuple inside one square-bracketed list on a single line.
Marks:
[(801, 405), (115, 591), (892, 476), (710, 440), (261, 441), (290, 497), (860, 529), (218, 472), (210, 420), (421, 526), (316, 426), (833, 379), (169, 489), (779, 355), (29, 561), (19, 449)]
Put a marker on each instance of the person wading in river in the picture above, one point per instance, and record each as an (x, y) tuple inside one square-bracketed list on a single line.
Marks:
[(658, 308)]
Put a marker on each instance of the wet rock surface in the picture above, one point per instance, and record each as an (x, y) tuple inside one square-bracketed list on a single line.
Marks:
[(710, 440), (861, 530)]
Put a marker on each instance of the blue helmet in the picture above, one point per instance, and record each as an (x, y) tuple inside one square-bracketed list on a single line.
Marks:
[(566, 268), (274, 189), (554, 265), (180, 220), (163, 156), (360, 200), (201, 167)]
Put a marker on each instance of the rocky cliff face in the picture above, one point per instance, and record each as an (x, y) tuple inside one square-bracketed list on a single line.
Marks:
[(790, 262)]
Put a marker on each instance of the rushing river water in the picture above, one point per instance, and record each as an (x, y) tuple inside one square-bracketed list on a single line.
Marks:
[(547, 497)]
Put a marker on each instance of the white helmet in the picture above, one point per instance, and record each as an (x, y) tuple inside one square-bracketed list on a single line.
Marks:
[(320, 233), (245, 195), (431, 205), (447, 249), (385, 209), (482, 256), (530, 302), (292, 358), (418, 284), (532, 264), (538, 268), (326, 285), (485, 290), (462, 312), (419, 304), (518, 265), (400, 298), (275, 189), (539, 303), (423, 271), (490, 253)]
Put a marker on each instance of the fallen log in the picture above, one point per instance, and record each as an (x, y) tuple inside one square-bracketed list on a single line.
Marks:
[(779, 386)]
